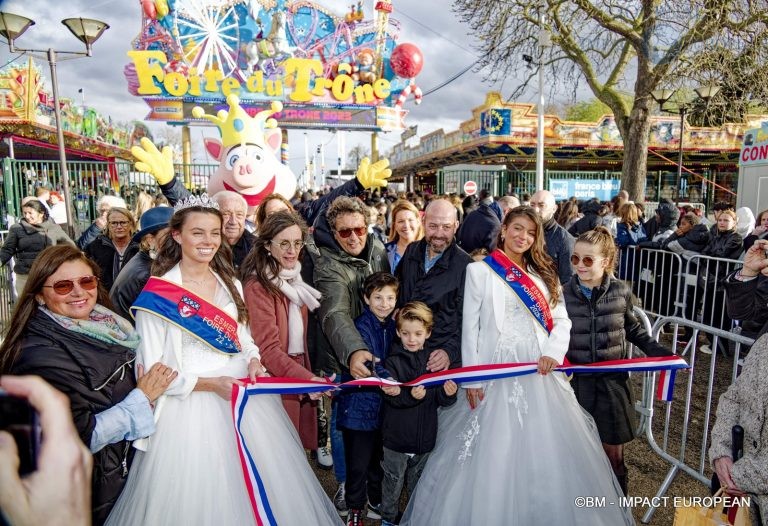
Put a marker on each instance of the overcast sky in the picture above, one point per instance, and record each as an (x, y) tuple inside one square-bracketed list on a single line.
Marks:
[(430, 24)]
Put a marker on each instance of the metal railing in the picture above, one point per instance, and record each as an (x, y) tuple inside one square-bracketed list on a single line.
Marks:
[(686, 448)]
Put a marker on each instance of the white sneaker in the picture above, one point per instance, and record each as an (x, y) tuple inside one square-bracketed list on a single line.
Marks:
[(324, 458), (706, 349), (340, 500)]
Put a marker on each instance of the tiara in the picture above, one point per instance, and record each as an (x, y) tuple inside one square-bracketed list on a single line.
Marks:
[(202, 201)]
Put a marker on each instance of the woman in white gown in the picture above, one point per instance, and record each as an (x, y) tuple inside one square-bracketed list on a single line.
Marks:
[(189, 472), (517, 450)]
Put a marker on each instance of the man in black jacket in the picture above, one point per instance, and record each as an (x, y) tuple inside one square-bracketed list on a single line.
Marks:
[(433, 271), (559, 243), (481, 226)]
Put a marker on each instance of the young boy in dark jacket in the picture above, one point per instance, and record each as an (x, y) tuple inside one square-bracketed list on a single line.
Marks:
[(409, 429), (359, 410)]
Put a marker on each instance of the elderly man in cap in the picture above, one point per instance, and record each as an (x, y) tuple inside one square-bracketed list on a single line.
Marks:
[(135, 273)]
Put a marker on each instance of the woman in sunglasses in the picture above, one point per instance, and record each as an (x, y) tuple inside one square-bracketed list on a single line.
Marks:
[(278, 303), (63, 330), (114, 248), (27, 238), (191, 314), (600, 308), (515, 450)]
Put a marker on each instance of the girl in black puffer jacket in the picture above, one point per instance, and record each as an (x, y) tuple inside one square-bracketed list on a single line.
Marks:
[(600, 308)]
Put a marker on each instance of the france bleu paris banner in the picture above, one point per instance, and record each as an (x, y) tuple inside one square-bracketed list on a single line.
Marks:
[(495, 122), (604, 190)]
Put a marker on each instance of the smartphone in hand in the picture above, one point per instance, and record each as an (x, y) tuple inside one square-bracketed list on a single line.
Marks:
[(19, 418)]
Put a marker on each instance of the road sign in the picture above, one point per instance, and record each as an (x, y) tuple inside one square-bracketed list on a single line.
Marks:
[(470, 188)]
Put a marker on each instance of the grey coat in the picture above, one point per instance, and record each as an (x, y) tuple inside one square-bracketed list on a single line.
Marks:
[(746, 403)]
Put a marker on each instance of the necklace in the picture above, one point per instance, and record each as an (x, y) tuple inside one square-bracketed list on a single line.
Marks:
[(196, 281)]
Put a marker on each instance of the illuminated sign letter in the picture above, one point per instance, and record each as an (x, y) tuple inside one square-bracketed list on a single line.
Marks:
[(147, 72), (303, 68)]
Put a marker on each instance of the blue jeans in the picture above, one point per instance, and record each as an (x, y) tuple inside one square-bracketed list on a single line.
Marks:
[(337, 446)]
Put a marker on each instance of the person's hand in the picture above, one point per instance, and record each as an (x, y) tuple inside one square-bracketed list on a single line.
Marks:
[(255, 369), (475, 395), (724, 468), (419, 392), (391, 390), (438, 361), (450, 387), (101, 221), (357, 364), (151, 160), (755, 261), (59, 492), (154, 382), (759, 230), (373, 175), (546, 365), (318, 396), (221, 385)]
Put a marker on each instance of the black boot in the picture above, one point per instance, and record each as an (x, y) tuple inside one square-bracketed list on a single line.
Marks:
[(623, 482)]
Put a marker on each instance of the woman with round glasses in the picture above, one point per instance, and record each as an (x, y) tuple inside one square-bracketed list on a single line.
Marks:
[(27, 238), (278, 302), (113, 249), (63, 330), (601, 312)]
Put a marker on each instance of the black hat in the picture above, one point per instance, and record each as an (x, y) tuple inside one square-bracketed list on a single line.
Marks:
[(153, 220)]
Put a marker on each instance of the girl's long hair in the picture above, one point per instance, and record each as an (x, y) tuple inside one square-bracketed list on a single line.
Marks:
[(169, 254), (535, 257), (46, 264), (259, 265)]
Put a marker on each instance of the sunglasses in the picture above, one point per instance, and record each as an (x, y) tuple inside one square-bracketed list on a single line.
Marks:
[(587, 260), (65, 286), (344, 233)]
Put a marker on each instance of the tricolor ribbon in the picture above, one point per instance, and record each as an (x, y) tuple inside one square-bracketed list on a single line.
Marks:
[(667, 365)]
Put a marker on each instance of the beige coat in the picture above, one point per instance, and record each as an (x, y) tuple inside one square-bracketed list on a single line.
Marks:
[(746, 403)]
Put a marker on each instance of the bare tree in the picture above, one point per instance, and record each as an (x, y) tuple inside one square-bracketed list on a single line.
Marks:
[(356, 155), (625, 45)]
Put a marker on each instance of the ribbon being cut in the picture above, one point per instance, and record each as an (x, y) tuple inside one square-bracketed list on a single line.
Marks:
[(667, 365)]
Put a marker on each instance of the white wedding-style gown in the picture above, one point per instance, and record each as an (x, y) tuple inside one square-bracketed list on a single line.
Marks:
[(523, 456), (191, 473)]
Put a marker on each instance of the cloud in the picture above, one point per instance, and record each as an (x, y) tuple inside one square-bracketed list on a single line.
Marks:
[(430, 24)]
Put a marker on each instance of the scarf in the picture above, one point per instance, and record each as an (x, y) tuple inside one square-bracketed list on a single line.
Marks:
[(102, 324), (299, 294)]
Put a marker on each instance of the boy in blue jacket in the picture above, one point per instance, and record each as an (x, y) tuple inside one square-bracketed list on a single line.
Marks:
[(359, 416)]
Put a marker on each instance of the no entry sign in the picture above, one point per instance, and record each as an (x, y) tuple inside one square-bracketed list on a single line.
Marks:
[(470, 188)]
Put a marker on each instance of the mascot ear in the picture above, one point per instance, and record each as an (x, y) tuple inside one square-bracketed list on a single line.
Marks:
[(214, 148), (273, 138)]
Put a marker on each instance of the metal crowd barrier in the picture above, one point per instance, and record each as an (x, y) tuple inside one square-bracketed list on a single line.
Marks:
[(687, 449), (655, 278), (7, 299)]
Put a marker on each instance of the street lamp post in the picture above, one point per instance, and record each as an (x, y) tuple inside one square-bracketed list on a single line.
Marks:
[(662, 96), (87, 31)]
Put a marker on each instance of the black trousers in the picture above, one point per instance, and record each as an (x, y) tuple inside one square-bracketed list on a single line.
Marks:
[(363, 452)]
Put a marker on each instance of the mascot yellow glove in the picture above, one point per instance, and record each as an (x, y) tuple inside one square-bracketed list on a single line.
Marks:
[(373, 175), (152, 161)]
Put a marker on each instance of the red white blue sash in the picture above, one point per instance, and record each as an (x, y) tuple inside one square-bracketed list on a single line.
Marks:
[(523, 286), (476, 373), (190, 313)]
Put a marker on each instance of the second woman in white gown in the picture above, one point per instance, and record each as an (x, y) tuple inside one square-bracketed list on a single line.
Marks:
[(517, 450), (188, 472)]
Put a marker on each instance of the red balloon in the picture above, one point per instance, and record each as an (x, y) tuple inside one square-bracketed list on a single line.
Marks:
[(406, 60)]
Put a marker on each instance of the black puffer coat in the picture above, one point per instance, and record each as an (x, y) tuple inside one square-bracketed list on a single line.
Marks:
[(602, 326), (25, 242), (95, 376), (590, 220), (104, 253)]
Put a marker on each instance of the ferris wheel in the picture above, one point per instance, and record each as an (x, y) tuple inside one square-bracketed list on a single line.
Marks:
[(208, 34)]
